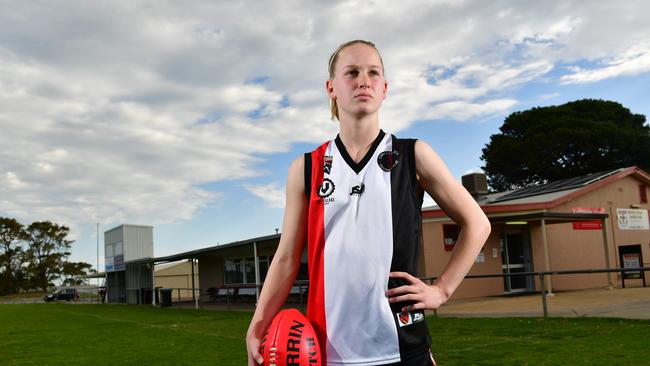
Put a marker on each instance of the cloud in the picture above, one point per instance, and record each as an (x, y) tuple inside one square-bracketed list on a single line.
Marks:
[(634, 61), (271, 194), (473, 170), (126, 112)]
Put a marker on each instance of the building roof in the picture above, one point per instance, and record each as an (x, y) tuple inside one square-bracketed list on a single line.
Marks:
[(169, 265), (129, 225), (548, 195), (557, 186), (195, 253)]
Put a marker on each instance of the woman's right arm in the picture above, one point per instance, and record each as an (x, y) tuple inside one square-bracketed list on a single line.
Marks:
[(286, 261)]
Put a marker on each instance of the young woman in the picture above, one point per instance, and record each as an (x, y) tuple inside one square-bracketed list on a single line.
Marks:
[(356, 202)]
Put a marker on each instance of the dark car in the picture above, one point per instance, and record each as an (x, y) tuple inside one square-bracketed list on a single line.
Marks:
[(67, 294)]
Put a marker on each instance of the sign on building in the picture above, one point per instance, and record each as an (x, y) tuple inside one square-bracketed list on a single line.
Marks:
[(632, 219), (109, 264), (591, 224), (118, 262)]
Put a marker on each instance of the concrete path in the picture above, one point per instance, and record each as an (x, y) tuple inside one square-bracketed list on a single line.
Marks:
[(631, 303)]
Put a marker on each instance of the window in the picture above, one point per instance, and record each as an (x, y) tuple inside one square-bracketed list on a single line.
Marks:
[(249, 270), (303, 272), (264, 267), (643, 197), (450, 234), (242, 270), (234, 271), (109, 250), (118, 248)]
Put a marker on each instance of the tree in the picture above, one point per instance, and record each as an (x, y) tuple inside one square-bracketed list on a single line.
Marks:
[(11, 271), (72, 270), (549, 143), (46, 252)]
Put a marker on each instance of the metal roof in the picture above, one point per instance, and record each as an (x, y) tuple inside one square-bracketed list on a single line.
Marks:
[(543, 197), (195, 253), (557, 186), (551, 192), (129, 225)]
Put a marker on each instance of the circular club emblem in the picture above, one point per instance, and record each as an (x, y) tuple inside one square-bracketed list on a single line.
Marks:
[(387, 160), (326, 188)]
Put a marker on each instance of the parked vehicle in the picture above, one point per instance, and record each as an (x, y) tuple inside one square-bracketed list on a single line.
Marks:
[(67, 294)]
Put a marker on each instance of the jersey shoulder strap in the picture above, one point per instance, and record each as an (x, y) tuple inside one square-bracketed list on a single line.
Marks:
[(311, 158), (308, 174), (406, 173)]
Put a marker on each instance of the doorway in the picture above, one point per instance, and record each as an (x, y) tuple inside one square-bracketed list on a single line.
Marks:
[(629, 256), (516, 257)]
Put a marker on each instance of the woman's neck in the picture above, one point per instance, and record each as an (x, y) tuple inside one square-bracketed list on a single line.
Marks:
[(358, 135)]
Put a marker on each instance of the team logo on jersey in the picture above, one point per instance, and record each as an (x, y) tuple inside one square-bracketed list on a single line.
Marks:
[(404, 318), (387, 160), (326, 188), (327, 164), (358, 190), (407, 318), (418, 317)]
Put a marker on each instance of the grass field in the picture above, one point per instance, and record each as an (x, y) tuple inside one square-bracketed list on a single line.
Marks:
[(73, 334)]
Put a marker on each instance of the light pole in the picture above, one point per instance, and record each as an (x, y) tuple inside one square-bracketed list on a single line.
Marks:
[(98, 284)]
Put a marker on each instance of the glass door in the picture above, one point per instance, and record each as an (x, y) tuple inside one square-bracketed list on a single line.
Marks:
[(516, 257)]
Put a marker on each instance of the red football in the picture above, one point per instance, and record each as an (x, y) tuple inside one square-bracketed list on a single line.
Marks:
[(290, 340)]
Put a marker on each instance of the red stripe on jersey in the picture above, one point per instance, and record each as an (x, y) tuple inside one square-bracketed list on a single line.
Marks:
[(315, 249)]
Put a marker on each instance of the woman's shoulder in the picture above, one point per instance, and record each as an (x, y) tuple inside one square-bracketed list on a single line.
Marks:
[(298, 163)]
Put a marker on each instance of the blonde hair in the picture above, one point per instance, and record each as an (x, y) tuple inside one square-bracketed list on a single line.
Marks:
[(334, 108)]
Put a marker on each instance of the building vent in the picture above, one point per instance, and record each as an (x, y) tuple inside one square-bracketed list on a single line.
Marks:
[(476, 184)]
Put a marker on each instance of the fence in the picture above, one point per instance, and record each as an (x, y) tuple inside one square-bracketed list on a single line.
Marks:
[(140, 296), (303, 286), (542, 275), (85, 293), (246, 294)]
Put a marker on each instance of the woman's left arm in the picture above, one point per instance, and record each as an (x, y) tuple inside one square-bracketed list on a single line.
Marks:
[(458, 204)]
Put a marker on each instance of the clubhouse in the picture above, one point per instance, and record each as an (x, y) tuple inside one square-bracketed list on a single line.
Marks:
[(594, 221)]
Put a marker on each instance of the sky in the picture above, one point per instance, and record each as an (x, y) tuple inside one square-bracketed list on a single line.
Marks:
[(185, 115)]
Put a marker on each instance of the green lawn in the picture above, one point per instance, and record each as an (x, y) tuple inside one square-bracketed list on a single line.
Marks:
[(53, 334)]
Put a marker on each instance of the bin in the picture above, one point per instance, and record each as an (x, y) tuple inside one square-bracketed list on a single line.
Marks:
[(157, 294), (145, 295), (165, 297)]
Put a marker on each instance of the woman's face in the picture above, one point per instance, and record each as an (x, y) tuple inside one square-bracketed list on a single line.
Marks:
[(358, 85)]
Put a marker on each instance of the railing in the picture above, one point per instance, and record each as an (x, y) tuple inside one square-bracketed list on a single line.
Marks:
[(85, 293), (179, 295), (230, 294), (623, 271), (139, 296)]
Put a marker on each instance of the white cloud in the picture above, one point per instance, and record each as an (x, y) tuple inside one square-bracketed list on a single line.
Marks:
[(271, 194), (634, 61), (12, 181), (125, 112), (473, 170)]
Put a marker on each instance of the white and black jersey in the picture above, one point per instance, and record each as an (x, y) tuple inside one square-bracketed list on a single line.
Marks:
[(364, 222)]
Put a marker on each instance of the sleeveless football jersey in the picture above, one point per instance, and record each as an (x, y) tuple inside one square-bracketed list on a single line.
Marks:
[(364, 222)]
